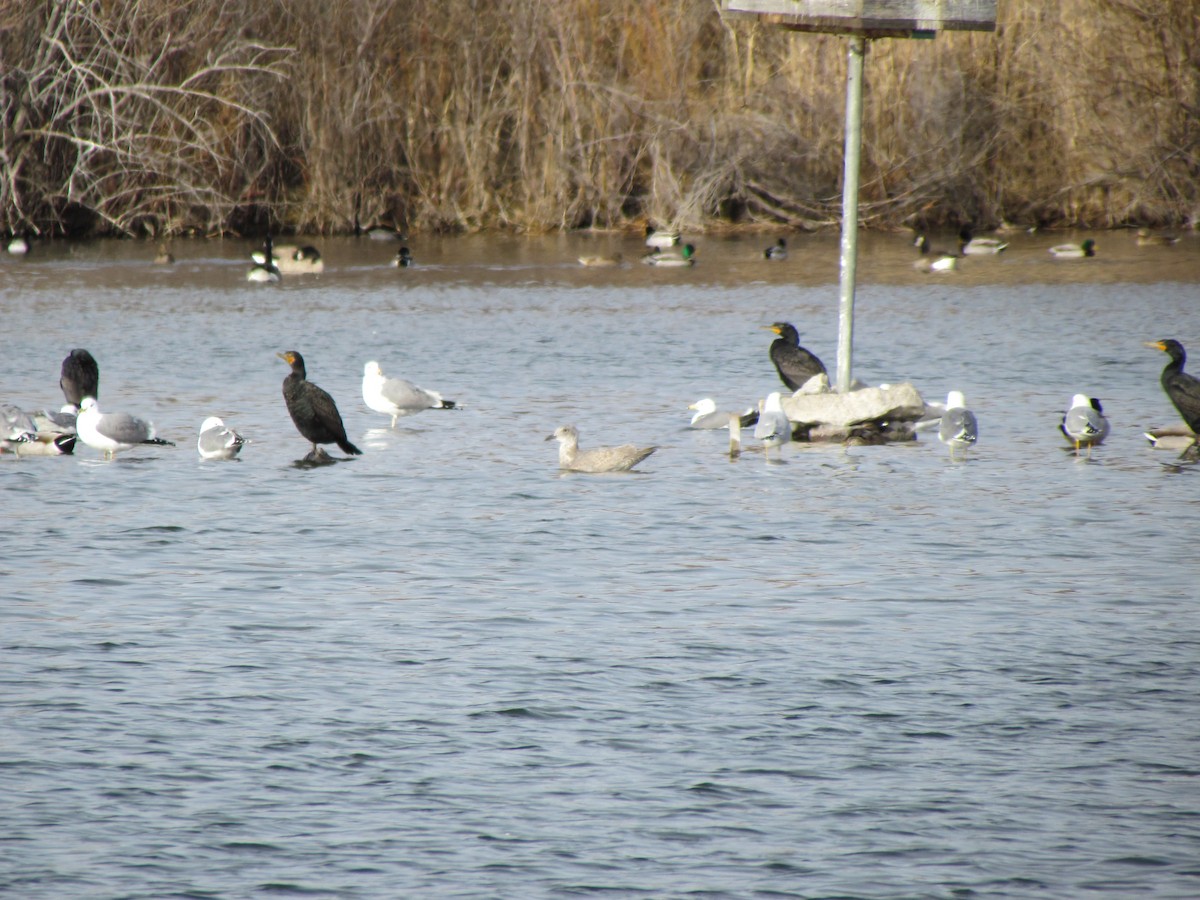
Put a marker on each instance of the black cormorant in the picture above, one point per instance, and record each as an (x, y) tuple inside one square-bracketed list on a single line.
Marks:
[(80, 377), (1182, 388), (794, 364), (312, 409)]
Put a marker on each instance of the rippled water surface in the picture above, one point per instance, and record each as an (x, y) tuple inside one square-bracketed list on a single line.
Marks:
[(442, 669)]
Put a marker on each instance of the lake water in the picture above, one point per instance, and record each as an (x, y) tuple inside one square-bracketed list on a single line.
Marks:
[(442, 669)]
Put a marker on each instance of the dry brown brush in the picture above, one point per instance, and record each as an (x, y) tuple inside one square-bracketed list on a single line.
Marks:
[(159, 116)]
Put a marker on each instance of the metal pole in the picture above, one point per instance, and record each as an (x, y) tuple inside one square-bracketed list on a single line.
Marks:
[(849, 259)]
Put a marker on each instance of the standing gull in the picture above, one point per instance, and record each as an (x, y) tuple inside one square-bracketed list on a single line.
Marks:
[(598, 459), (312, 410), (1182, 388), (773, 428), (110, 432), (958, 427), (217, 440), (794, 364), (396, 397), (1084, 423)]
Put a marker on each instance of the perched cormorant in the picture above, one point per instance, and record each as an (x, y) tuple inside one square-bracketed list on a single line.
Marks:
[(1084, 423), (80, 377), (1182, 388), (794, 364), (312, 409), (598, 459)]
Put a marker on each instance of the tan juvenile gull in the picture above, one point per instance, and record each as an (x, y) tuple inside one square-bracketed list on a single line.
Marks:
[(598, 459)]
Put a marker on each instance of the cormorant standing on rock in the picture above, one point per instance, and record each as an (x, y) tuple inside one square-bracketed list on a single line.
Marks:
[(794, 364), (313, 410), (1182, 388)]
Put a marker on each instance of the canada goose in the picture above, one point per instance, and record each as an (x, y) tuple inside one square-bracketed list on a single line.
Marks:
[(264, 269), (932, 260)]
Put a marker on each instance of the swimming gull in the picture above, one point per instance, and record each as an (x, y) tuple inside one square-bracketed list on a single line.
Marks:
[(794, 364), (958, 428), (1182, 388), (773, 428), (110, 432), (397, 397), (217, 440), (312, 410), (706, 415), (598, 459), (1084, 423)]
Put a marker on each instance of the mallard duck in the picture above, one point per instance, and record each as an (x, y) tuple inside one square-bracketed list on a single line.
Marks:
[(973, 246), (403, 259), (163, 257), (778, 250), (933, 260), (684, 257), (1147, 238), (602, 262), (1074, 251), (662, 239)]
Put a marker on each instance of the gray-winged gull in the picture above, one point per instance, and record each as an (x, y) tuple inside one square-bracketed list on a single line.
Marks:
[(1084, 423), (958, 427), (217, 440), (110, 432), (773, 428), (706, 415), (598, 459), (397, 397)]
